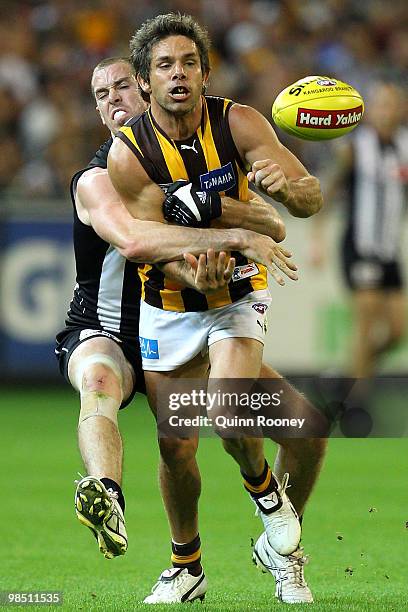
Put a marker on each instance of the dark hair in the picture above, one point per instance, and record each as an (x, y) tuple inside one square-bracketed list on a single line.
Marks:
[(108, 61), (154, 30)]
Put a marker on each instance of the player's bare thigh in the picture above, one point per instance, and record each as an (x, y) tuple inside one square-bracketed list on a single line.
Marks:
[(368, 305), (236, 358), (102, 346), (195, 368)]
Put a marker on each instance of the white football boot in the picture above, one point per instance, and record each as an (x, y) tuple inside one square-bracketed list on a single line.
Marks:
[(279, 518), (176, 585), (99, 509), (291, 587)]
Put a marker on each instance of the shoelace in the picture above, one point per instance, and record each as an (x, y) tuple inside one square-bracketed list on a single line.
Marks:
[(164, 585), (295, 566)]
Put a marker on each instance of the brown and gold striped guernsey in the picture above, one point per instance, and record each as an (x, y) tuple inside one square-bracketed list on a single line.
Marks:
[(208, 159)]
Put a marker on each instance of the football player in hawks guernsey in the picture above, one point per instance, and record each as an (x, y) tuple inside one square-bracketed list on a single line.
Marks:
[(212, 147), (98, 351)]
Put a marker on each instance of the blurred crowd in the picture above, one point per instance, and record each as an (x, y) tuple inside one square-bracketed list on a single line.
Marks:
[(48, 124)]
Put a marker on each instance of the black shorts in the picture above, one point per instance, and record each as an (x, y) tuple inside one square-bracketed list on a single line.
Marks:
[(370, 272), (70, 337)]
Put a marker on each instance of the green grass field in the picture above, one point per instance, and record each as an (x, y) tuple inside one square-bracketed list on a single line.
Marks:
[(43, 547)]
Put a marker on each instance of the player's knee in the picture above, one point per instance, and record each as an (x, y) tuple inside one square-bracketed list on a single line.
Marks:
[(177, 452), (100, 373), (242, 446), (101, 378)]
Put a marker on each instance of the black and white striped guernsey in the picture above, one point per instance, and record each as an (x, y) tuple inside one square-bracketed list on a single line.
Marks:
[(377, 194), (107, 290)]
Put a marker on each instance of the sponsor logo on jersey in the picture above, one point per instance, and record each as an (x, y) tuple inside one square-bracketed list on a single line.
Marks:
[(245, 271), (261, 308), (149, 348), (88, 333), (220, 179), (326, 119)]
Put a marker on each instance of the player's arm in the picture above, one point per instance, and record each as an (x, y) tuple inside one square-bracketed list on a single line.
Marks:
[(144, 200), (273, 168), (186, 204), (256, 215), (99, 205)]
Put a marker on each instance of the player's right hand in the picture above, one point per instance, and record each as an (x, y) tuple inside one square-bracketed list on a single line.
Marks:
[(271, 178), (264, 250), (210, 272)]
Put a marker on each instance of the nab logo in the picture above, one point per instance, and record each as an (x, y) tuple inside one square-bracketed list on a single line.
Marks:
[(149, 349), (220, 179)]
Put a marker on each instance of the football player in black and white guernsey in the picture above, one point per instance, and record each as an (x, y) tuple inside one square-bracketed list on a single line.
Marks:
[(372, 167)]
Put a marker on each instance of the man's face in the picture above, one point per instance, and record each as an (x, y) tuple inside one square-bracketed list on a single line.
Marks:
[(385, 110), (117, 95), (176, 80)]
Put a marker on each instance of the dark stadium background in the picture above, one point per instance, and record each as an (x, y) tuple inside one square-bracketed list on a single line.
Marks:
[(355, 527), (49, 129)]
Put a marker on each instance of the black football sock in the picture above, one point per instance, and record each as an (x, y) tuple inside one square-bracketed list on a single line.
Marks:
[(259, 486), (187, 555)]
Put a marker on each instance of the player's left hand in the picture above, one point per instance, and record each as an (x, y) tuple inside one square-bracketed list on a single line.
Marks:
[(269, 177), (211, 273)]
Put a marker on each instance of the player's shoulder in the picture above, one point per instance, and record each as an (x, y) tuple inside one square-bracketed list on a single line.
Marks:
[(90, 175), (132, 124), (219, 104), (101, 156), (242, 116), (92, 186)]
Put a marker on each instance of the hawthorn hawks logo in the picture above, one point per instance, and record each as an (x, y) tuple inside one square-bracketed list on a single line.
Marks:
[(261, 308)]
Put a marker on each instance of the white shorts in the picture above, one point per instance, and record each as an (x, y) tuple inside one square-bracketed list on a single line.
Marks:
[(170, 339)]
